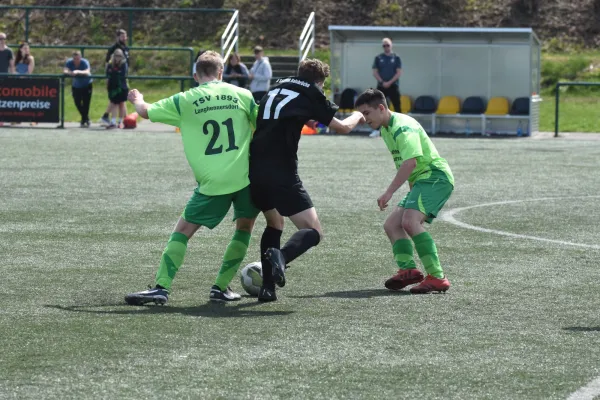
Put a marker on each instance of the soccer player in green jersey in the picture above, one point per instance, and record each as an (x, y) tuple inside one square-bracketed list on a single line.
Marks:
[(216, 121), (431, 184)]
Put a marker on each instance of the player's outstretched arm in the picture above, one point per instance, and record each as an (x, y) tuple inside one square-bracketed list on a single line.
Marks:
[(348, 124), (137, 99)]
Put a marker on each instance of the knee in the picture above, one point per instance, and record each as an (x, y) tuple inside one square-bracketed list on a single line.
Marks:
[(245, 224), (390, 227), (410, 226), (275, 222)]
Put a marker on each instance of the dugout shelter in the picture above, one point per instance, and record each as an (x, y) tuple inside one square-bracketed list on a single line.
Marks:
[(480, 80)]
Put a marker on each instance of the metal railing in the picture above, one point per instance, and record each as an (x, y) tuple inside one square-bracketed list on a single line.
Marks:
[(83, 47), (129, 10), (307, 38), (557, 98), (230, 36), (62, 78)]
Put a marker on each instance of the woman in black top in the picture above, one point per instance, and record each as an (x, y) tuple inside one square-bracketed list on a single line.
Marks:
[(235, 72)]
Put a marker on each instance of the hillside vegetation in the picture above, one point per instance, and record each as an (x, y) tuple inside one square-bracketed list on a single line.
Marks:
[(277, 23)]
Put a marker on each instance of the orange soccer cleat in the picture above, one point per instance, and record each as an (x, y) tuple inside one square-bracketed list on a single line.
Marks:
[(431, 284), (403, 278)]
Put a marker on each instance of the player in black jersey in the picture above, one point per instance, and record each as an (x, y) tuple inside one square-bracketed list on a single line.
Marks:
[(275, 185)]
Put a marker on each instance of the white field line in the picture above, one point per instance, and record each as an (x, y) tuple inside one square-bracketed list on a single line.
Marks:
[(449, 216), (592, 389), (588, 392)]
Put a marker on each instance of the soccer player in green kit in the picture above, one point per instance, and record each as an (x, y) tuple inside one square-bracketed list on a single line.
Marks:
[(431, 184), (216, 121)]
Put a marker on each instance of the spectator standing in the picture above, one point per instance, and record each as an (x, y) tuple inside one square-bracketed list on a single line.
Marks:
[(260, 74), (24, 62), (120, 44), (116, 84), (236, 72), (387, 69), (7, 61), (81, 87)]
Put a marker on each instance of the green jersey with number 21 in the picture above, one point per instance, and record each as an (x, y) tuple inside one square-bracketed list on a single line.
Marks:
[(216, 121)]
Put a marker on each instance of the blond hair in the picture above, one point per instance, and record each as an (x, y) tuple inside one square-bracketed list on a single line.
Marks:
[(209, 64), (118, 58)]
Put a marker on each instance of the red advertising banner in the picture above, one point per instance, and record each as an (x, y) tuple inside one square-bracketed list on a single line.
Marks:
[(29, 99)]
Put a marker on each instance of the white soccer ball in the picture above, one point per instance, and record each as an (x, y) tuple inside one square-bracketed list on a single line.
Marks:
[(251, 277)]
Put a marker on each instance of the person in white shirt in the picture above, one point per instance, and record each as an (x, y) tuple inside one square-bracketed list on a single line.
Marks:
[(260, 75)]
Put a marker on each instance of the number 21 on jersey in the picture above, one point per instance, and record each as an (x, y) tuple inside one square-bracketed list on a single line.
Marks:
[(288, 95)]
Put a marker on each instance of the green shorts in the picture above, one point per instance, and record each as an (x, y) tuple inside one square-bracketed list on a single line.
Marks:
[(428, 195), (209, 211)]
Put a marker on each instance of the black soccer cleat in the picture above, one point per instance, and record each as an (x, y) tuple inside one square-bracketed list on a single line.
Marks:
[(154, 295), (275, 257), (219, 296), (267, 294)]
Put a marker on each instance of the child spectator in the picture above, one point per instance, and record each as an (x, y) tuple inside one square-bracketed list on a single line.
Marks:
[(117, 88)]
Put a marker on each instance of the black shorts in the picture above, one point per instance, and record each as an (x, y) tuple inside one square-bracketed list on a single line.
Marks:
[(121, 97), (280, 190)]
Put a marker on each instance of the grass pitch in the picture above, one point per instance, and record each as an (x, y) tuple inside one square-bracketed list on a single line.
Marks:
[(84, 216)]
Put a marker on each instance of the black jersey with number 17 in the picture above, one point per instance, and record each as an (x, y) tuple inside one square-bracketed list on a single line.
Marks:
[(282, 114)]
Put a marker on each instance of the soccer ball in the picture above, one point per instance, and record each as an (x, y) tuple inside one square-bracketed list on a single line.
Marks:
[(251, 277)]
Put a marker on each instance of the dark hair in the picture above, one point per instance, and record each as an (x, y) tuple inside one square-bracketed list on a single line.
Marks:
[(313, 70), (19, 57), (236, 55), (209, 64), (371, 97), (257, 49)]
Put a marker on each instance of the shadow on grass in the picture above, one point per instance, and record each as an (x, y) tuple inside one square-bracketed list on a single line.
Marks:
[(582, 328), (356, 294), (210, 310)]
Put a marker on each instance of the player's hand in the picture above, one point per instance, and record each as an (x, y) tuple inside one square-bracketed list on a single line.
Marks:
[(312, 124), (135, 96), (386, 84), (383, 200)]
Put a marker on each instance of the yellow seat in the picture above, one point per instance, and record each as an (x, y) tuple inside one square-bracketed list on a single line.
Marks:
[(448, 105), (405, 104), (497, 106)]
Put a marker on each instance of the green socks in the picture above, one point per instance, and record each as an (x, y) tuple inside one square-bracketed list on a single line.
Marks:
[(234, 255), (403, 254), (171, 260), (428, 254)]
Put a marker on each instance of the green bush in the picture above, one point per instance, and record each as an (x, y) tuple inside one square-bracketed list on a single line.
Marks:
[(555, 71)]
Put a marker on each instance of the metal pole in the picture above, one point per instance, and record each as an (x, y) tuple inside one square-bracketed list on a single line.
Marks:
[(62, 103), (557, 99), (130, 27), (82, 51), (313, 36), (27, 24), (181, 85), (192, 62), (237, 33)]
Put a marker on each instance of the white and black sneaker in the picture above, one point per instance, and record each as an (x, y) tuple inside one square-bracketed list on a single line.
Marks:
[(220, 296), (156, 295)]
